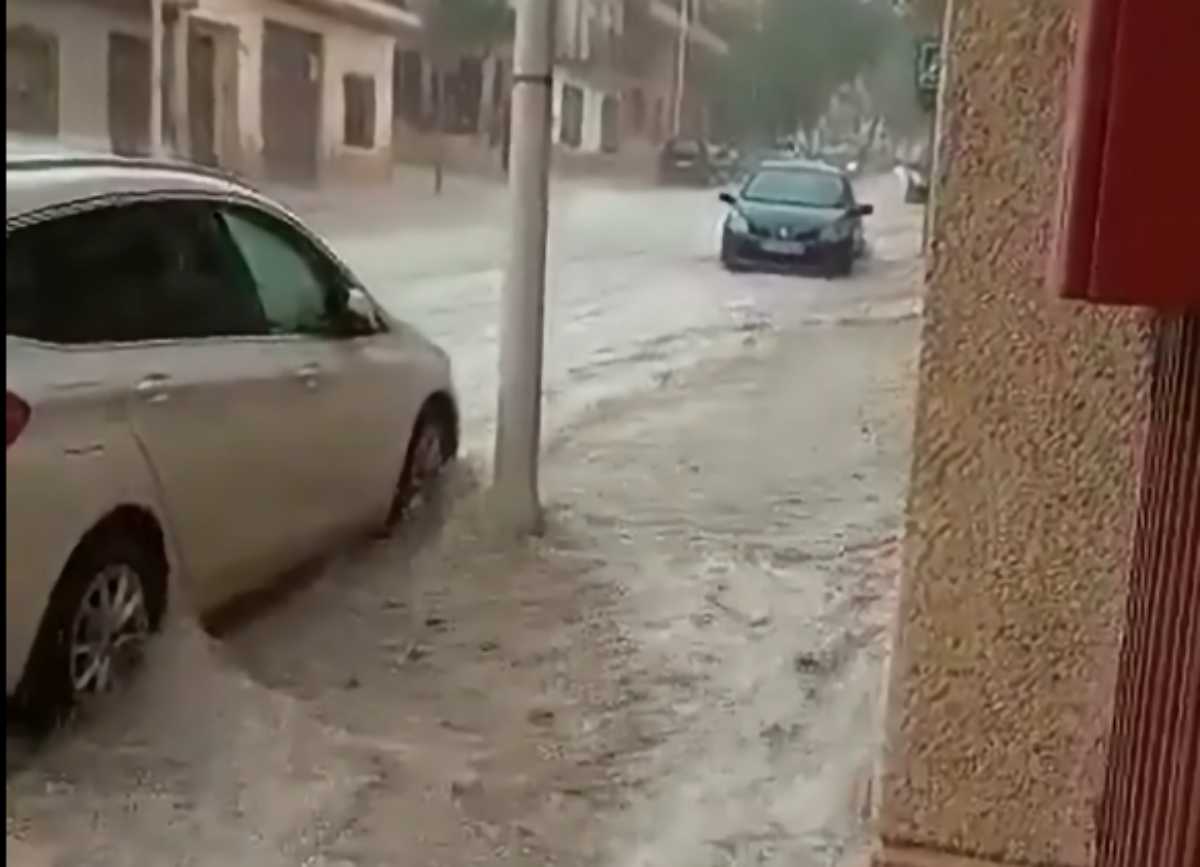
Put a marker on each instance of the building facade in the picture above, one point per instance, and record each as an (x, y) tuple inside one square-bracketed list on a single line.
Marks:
[(617, 85), (81, 70), (298, 91), (313, 98), (628, 77)]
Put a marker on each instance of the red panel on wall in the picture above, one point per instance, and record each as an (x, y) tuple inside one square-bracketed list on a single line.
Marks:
[(1129, 218)]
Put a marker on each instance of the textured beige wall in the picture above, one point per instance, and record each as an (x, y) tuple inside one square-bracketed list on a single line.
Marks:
[(1023, 483)]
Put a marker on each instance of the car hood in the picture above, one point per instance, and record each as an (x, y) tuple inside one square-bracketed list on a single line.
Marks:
[(796, 219)]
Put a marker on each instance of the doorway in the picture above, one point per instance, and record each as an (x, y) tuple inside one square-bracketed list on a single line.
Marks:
[(129, 94), (202, 97), (571, 132), (31, 88), (610, 124), (291, 103)]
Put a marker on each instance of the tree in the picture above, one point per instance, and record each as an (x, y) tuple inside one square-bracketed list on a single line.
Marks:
[(780, 74), (454, 28), (892, 85)]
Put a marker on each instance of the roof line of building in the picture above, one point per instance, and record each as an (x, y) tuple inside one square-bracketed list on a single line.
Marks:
[(367, 12)]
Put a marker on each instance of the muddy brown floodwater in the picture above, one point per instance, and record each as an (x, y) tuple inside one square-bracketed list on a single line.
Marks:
[(684, 671)]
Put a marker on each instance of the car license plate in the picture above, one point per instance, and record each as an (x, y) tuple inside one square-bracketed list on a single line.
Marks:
[(786, 248), (683, 164)]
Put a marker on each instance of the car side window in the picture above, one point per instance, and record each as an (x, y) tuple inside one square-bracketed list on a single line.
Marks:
[(295, 284), (148, 270)]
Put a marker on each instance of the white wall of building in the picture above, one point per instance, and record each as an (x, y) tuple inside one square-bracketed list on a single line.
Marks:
[(82, 31), (346, 49)]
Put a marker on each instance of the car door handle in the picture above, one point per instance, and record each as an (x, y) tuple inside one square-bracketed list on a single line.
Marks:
[(153, 388)]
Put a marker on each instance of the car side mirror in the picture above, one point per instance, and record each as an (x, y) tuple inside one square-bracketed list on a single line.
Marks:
[(357, 317), (727, 198), (864, 210)]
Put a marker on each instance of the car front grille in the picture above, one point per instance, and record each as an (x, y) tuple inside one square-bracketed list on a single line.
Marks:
[(806, 235)]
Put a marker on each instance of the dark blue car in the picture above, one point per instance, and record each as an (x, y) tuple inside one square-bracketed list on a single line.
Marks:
[(793, 214)]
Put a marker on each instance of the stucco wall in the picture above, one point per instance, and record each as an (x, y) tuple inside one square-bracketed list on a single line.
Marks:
[(1024, 484), (82, 30), (346, 49)]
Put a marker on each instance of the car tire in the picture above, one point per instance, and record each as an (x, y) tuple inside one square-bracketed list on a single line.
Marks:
[(727, 261), (431, 446), (112, 580), (841, 261)]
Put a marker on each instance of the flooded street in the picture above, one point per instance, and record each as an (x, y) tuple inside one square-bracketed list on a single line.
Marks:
[(684, 670)]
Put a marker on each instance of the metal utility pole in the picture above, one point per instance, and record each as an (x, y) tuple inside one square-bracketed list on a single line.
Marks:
[(685, 25), (156, 77), (519, 410)]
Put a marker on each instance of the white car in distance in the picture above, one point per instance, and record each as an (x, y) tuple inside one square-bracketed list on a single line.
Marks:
[(197, 391)]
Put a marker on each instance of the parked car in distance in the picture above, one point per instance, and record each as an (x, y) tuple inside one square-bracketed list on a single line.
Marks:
[(791, 214), (685, 161), (725, 160), (915, 178), (842, 157), (199, 395)]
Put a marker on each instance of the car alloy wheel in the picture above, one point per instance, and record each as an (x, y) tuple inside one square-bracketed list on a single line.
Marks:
[(427, 460), (427, 455), (109, 631)]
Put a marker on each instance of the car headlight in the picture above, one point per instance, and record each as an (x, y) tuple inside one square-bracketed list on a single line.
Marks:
[(830, 233), (737, 223)]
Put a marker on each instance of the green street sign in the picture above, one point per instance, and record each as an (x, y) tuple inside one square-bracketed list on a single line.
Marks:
[(929, 66)]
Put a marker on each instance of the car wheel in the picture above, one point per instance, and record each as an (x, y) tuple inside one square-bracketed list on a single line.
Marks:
[(841, 261), (430, 448), (727, 260), (94, 632)]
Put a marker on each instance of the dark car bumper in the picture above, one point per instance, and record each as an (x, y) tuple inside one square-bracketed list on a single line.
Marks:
[(749, 251)]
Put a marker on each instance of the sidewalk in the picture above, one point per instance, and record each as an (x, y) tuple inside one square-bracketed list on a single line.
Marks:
[(407, 200), (684, 671)]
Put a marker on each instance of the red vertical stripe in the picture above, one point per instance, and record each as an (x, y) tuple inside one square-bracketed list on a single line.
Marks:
[(1150, 816)]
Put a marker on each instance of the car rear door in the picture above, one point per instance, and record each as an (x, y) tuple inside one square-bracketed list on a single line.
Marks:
[(143, 297)]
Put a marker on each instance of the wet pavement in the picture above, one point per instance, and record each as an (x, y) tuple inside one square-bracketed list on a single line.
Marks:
[(683, 671), (634, 287)]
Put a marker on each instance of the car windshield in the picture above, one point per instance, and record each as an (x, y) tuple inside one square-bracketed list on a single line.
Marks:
[(796, 187)]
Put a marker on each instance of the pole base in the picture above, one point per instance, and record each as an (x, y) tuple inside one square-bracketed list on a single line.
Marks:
[(514, 511)]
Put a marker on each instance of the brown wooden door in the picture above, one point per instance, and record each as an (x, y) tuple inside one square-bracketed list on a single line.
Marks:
[(129, 94), (1150, 816), (31, 88), (291, 102), (202, 97)]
